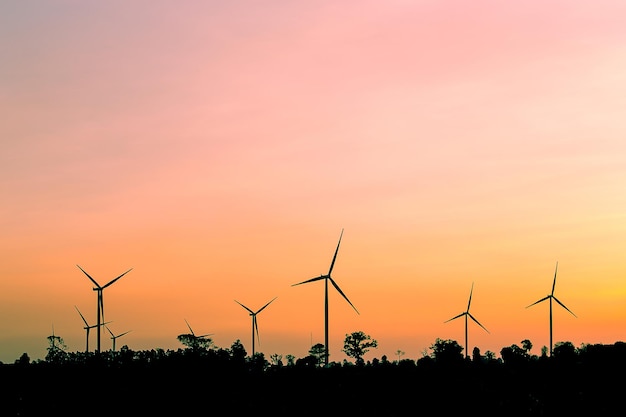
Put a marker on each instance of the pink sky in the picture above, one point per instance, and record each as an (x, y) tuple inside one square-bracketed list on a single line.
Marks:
[(219, 149)]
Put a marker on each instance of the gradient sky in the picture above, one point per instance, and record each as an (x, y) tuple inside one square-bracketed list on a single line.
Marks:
[(219, 148)]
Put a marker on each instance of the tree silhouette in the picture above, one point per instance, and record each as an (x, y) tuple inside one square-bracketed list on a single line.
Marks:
[(56, 349), (238, 352), (194, 342), (447, 352), (276, 359), (357, 344), (318, 352)]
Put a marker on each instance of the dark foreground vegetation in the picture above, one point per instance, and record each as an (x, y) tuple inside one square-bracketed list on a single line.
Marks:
[(201, 381)]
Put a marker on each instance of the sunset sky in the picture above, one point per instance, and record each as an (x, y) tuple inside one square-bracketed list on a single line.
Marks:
[(219, 148)]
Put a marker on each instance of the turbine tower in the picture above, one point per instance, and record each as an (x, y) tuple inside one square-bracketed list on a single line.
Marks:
[(467, 314), (327, 278), (552, 297), (114, 337), (99, 289), (87, 328), (255, 325)]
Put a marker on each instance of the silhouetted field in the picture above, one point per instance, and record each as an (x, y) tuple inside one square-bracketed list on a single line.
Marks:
[(184, 382)]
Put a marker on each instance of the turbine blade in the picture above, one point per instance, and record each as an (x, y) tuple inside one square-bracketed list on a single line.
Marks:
[(193, 334), (113, 280), (256, 327), (311, 280), (456, 317), (109, 330), (470, 297), (251, 312), (332, 264), (204, 335), (261, 309), (81, 316), (122, 334), (89, 276), (332, 281), (554, 281), (538, 301), (476, 321), (563, 305), (101, 305)]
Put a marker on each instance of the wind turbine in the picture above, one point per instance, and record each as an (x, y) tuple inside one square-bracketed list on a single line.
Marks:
[(56, 344), (467, 314), (254, 322), (99, 289), (87, 328), (192, 337), (114, 337), (327, 278), (552, 297)]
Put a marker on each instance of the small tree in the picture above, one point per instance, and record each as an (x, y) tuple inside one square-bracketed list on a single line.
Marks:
[(447, 352), (357, 344), (276, 359), (195, 343), (318, 352), (476, 358), (238, 352), (527, 345), (23, 360)]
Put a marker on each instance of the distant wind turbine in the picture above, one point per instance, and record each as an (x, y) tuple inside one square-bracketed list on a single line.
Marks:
[(467, 314), (114, 337), (99, 289), (552, 297), (327, 278), (56, 344), (255, 325), (192, 340), (87, 328)]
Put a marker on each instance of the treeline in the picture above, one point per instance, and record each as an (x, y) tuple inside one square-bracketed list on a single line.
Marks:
[(209, 380)]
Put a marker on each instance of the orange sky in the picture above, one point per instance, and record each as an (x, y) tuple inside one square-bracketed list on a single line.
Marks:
[(220, 149)]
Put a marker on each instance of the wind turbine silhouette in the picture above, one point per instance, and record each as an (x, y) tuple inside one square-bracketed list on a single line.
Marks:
[(99, 289), (194, 338), (87, 328), (255, 325), (114, 337), (552, 297), (327, 278), (54, 339), (467, 314)]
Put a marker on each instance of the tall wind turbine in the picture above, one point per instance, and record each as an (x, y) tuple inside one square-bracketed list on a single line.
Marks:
[(255, 325), (552, 297), (87, 328), (467, 314), (114, 337), (99, 289), (327, 278)]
